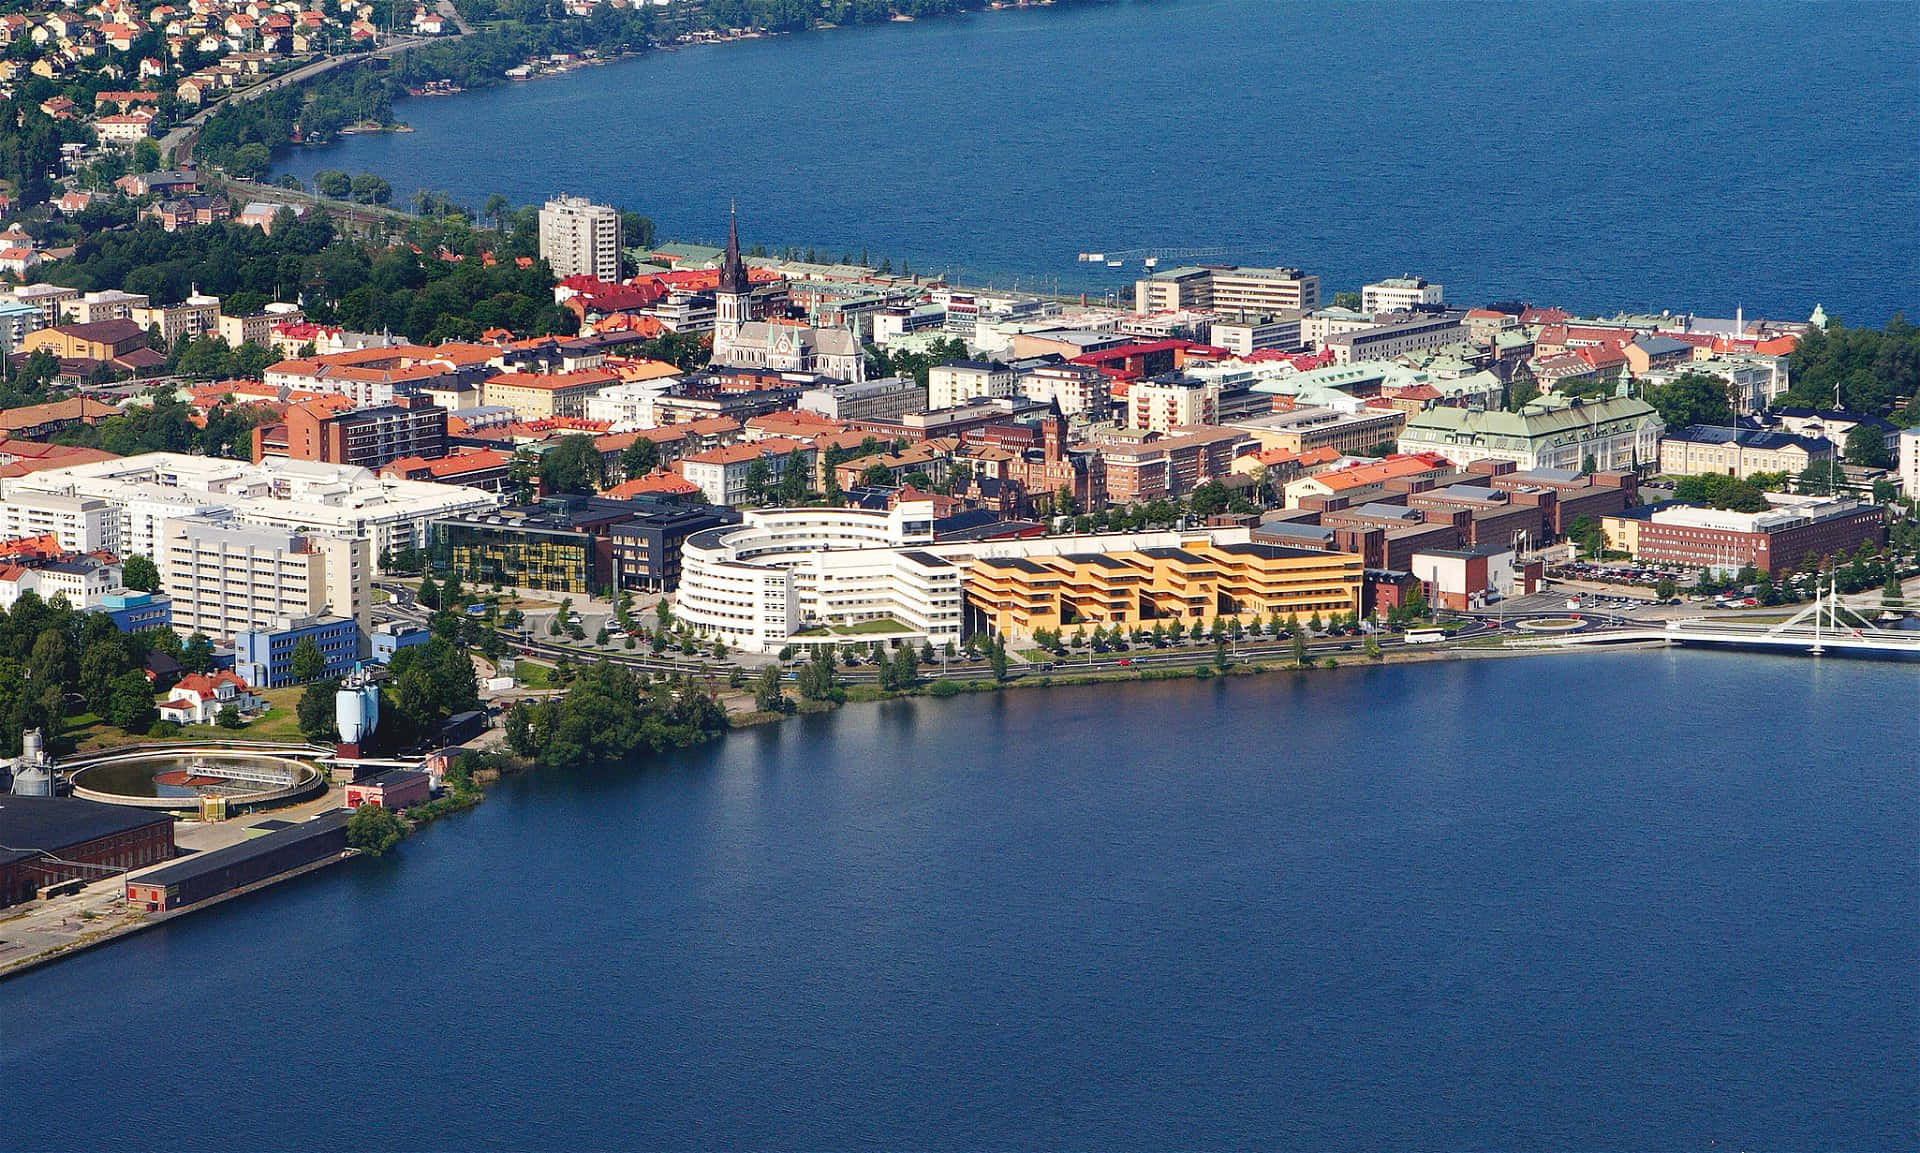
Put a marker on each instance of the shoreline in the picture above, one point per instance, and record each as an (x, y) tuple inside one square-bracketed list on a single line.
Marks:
[(740, 720)]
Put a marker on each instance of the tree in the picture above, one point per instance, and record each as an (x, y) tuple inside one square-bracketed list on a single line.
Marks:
[(759, 476), (1817, 479), (573, 465), (139, 572), (130, 702), (906, 667), (328, 182), (308, 663), (1300, 657), (997, 657), (428, 594), (1521, 393), (768, 695), (1717, 490), (1348, 300), (316, 712), (250, 161), (1665, 588), (370, 189), (1220, 653), (640, 458), (373, 829), (196, 656), (228, 717), (1692, 398), (1867, 448), (793, 479)]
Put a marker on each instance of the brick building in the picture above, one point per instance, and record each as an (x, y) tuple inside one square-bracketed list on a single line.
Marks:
[(1773, 542), (61, 839)]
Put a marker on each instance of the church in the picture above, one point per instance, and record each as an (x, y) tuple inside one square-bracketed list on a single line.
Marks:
[(775, 345)]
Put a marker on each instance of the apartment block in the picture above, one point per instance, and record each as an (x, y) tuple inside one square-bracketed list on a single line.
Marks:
[(580, 238), (195, 317), (952, 385), (543, 396), (412, 426), (82, 524)]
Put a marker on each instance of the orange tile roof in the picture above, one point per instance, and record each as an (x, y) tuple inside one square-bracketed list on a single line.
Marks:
[(657, 482), (640, 368), (1393, 467), (736, 453), (554, 381)]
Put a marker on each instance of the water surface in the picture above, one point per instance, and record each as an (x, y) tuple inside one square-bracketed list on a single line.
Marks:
[(1629, 154), (1655, 900)]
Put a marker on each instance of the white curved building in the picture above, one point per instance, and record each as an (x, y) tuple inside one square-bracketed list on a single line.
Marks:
[(787, 570)]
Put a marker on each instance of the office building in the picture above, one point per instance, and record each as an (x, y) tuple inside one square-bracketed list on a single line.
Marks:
[(264, 657), (1246, 335), (1400, 294), (889, 398), (1396, 338), (1776, 541), (294, 496), (562, 545), (1093, 582), (580, 238), (1740, 452), (1227, 290)]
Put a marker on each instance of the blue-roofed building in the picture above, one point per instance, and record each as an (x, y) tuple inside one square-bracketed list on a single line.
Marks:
[(389, 639), (132, 611), (264, 658)]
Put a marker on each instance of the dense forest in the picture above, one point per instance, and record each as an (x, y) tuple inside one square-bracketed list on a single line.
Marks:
[(356, 284), (59, 664), (1876, 370)]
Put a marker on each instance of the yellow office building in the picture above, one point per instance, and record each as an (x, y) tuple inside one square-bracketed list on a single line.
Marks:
[(1194, 581)]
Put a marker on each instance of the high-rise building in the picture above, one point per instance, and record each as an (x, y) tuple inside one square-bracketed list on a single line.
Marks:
[(228, 579), (580, 238)]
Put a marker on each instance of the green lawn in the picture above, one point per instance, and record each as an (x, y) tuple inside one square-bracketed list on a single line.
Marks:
[(883, 626), (281, 721), (533, 676)]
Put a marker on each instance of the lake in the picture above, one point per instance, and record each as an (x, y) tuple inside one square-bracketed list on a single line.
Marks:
[(1639, 154), (1646, 900)]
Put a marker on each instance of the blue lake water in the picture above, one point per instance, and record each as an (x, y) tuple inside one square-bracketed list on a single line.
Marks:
[(1629, 154), (1653, 900)]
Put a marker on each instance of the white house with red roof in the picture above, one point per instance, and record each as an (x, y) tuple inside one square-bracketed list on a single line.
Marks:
[(198, 698)]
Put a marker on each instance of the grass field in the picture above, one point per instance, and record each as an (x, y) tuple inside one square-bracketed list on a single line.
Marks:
[(882, 627)]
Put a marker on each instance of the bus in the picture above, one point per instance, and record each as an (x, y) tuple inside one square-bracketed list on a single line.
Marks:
[(1425, 636)]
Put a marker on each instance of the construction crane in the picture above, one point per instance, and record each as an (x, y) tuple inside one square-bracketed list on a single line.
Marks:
[(1149, 257)]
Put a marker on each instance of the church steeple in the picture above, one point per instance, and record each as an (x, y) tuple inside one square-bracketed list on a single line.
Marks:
[(733, 270), (731, 299)]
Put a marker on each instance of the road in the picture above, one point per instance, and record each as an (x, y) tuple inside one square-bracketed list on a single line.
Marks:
[(177, 146)]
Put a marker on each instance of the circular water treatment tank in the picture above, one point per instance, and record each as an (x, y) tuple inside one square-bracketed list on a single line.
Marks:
[(181, 780)]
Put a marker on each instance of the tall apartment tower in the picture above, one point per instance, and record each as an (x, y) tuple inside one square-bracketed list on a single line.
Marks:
[(580, 238)]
